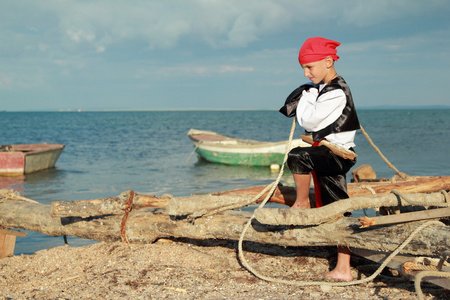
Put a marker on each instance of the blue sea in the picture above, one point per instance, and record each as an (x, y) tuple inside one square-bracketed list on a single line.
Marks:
[(107, 153)]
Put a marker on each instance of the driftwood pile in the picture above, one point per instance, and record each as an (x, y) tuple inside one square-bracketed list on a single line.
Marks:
[(135, 218)]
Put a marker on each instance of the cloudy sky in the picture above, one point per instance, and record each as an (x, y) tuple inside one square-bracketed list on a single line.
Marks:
[(212, 54)]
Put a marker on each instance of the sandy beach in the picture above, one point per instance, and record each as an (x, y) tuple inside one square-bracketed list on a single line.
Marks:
[(183, 269)]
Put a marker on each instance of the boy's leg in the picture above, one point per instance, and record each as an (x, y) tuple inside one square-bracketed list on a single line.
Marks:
[(332, 188), (342, 269), (302, 182)]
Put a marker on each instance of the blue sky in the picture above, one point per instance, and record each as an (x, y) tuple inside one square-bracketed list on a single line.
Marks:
[(214, 54)]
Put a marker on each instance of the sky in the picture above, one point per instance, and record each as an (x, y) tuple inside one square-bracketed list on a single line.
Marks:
[(216, 54)]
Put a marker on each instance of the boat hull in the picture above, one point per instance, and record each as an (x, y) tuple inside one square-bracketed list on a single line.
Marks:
[(28, 158), (216, 148)]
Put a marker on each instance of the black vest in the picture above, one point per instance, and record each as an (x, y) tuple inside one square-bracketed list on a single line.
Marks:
[(348, 121)]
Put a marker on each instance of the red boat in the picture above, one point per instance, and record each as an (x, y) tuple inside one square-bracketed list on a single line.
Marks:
[(28, 158)]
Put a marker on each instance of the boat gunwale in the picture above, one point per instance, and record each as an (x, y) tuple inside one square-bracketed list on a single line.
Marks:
[(240, 143), (27, 149)]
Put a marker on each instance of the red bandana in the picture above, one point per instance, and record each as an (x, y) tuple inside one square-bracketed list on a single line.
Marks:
[(317, 48)]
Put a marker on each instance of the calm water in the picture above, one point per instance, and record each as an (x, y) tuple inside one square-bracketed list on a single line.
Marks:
[(110, 152)]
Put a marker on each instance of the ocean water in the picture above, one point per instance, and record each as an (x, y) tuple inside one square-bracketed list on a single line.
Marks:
[(107, 153)]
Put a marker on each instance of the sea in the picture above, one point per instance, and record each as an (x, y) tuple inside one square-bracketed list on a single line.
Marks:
[(108, 152)]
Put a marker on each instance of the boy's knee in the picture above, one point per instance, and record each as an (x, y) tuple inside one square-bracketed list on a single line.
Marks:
[(297, 161)]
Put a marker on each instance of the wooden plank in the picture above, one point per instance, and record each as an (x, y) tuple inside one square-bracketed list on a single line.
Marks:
[(7, 245), (405, 217), (397, 264), (8, 241), (339, 151), (12, 232)]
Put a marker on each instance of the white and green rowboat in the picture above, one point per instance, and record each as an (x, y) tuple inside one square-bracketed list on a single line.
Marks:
[(217, 148)]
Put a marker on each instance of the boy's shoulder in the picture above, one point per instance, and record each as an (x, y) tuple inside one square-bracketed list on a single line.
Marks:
[(334, 84)]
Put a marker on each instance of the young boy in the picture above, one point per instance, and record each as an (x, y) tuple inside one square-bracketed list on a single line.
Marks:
[(325, 110)]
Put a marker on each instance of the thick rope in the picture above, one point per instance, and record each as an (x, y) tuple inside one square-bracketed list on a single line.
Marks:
[(373, 193), (402, 175), (416, 202), (420, 275), (309, 283), (247, 225), (128, 207), (270, 186)]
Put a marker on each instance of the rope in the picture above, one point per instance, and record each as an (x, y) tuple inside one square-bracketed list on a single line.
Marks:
[(415, 202), (346, 283), (128, 207), (368, 187), (420, 275), (190, 155), (272, 187), (447, 199), (391, 166), (427, 271), (241, 204)]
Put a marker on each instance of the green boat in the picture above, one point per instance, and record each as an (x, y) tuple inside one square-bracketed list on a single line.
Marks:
[(216, 148)]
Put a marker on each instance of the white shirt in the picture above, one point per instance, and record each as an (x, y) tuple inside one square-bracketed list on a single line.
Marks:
[(314, 113)]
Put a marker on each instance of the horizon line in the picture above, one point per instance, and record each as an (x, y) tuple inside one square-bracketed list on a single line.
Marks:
[(378, 107)]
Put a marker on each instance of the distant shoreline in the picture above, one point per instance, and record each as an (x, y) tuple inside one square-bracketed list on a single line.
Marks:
[(382, 107)]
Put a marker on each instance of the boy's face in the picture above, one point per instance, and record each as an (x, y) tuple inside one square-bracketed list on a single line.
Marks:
[(319, 71)]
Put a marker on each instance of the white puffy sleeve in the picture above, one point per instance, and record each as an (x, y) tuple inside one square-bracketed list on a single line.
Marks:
[(315, 113)]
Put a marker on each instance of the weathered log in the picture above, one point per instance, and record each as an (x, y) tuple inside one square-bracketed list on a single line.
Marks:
[(196, 206), (427, 184), (105, 206), (147, 224), (314, 216), (200, 204), (405, 217), (412, 184)]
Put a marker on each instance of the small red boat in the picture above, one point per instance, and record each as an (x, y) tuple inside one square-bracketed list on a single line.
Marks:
[(28, 158)]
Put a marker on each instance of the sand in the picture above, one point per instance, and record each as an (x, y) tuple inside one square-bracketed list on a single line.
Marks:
[(183, 269)]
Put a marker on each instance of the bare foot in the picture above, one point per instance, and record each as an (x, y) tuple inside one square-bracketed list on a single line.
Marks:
[(338, 276)]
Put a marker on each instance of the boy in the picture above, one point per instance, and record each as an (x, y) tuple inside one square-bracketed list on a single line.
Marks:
[(325, 110)]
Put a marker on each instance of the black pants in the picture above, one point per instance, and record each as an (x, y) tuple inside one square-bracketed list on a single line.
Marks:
[(330, 170)]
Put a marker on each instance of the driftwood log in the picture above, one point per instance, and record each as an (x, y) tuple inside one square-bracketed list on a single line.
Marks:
[(106, 206), (286, 195), (147, 224), (315, 216), (196, 206)]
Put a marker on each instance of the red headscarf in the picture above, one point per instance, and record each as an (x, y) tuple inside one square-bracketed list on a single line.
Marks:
[(317, 48)]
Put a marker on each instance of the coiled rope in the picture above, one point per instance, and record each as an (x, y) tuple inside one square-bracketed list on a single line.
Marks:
[(272, 187), (347, 283)]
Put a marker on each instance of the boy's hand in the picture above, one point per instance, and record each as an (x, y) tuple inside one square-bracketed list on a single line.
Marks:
[(311, 91)]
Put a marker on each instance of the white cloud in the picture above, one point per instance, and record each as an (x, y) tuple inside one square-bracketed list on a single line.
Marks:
[(99, 42), (221, 23), (78, 35), (5, 81), (201, 70)]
